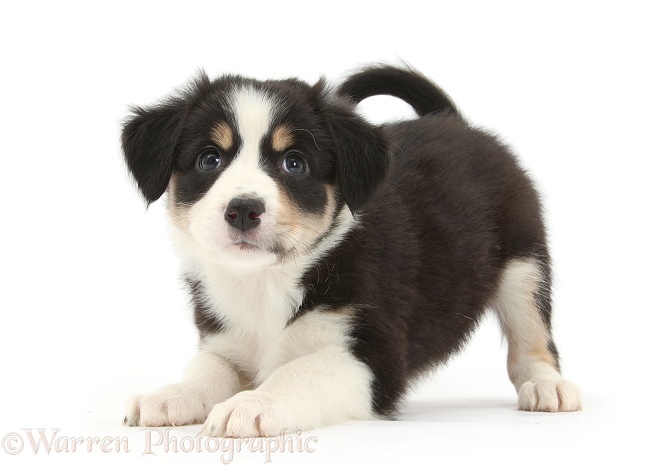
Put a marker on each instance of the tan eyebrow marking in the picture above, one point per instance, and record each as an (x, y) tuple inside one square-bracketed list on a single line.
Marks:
[(281, 138), (222, 135)]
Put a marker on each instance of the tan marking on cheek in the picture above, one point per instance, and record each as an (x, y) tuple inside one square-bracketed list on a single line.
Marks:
[(302, 230), (222, 135), (287, 215), (331, 208), (179, 213), (170, 191), (281, 138)]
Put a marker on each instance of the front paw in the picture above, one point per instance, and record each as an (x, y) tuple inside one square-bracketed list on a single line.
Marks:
[(250, 414), (173, 405)]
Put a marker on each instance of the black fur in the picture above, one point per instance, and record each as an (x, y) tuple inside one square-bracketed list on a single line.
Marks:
[(361, 155), (432, 244), (205, 320)]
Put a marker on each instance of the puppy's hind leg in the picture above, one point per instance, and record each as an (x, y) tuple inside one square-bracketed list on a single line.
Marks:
[(524, 307)]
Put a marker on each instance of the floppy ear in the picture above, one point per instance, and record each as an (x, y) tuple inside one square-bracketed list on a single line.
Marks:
[(361, 154), (149, 139)]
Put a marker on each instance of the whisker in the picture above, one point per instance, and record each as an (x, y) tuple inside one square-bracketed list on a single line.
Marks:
[(299, 224), (313, 138), (183, 244)]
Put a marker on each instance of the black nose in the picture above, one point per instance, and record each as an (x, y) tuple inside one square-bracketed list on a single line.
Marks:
[(244, 213)]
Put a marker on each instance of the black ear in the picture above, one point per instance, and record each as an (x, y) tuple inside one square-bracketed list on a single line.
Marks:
[(149, 139), (361, 154)]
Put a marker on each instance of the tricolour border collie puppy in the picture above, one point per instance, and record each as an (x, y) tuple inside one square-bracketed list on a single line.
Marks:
[(332, 262)]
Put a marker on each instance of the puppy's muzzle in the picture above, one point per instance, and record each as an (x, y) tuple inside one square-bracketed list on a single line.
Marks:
[(244, 213)]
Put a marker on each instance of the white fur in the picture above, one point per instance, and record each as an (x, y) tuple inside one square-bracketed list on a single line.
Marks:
[(530, 364), (325, 387), (253, 111)]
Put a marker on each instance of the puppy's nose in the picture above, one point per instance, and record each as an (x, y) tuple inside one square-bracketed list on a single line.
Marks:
[(244, 213)]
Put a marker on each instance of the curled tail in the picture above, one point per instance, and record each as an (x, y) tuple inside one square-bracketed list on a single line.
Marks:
[(402, 83)]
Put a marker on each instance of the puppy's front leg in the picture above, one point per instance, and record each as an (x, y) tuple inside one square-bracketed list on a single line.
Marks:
[(324, 387), (208, 379)]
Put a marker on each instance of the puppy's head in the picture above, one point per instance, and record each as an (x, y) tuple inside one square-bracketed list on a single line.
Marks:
[(255, 171)]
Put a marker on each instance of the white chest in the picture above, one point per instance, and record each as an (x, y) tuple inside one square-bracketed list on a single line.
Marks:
[(254, 307)]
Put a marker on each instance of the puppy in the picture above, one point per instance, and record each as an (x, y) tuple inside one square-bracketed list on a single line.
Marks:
[(332, 262)]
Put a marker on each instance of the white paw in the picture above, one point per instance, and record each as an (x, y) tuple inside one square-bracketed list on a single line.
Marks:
[(173, 405), (250, 414), (550, 395)]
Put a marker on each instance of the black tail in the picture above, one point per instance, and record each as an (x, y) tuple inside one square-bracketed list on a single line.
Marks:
[(405, 84)]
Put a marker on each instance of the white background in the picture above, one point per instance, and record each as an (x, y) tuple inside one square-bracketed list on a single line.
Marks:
[(91, 307)]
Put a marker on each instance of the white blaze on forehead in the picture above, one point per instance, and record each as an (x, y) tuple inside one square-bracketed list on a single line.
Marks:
[(244, 176), (253, 111)]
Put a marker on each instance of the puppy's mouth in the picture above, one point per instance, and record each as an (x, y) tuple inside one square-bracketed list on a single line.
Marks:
[(254, 243), (245, 245)]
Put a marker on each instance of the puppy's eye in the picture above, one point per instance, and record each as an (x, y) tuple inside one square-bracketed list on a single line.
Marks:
[(294, 163), (209, 160)]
